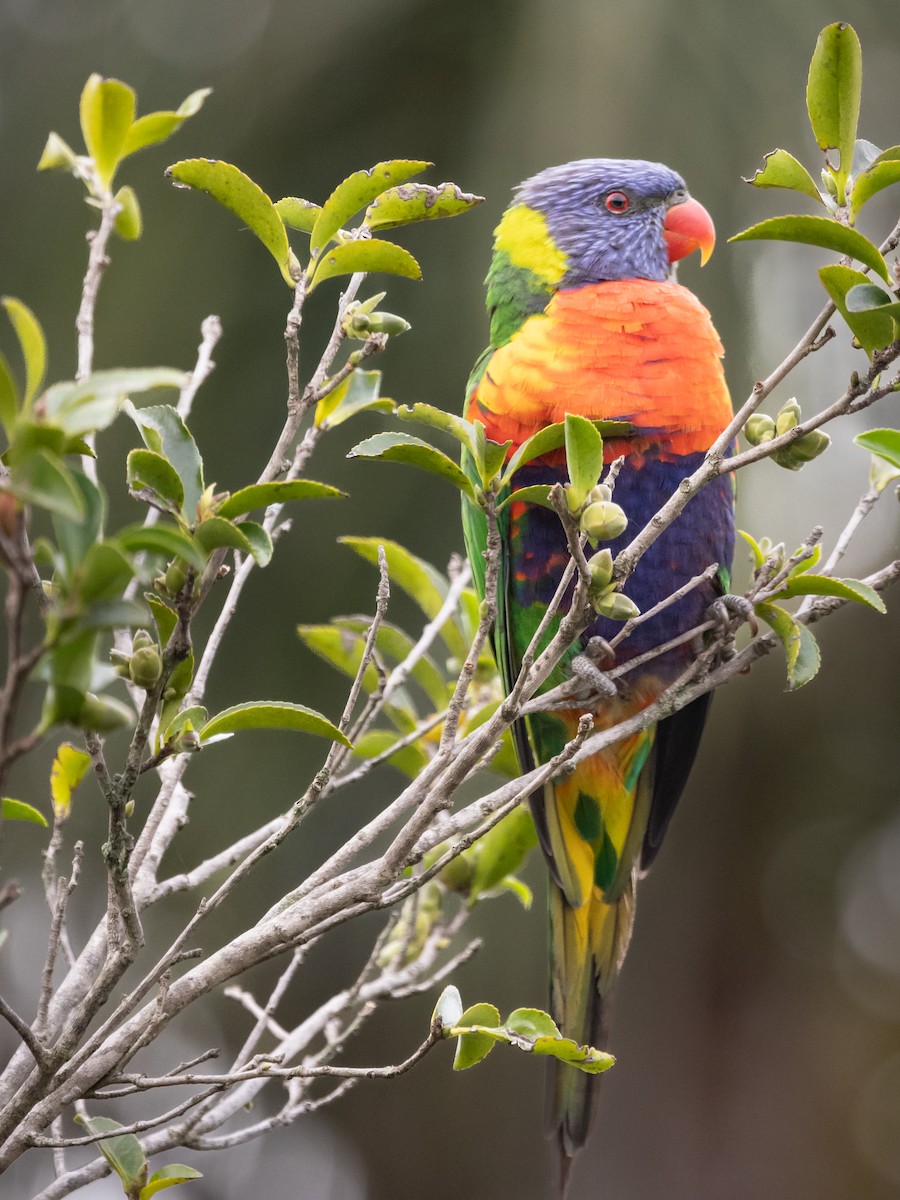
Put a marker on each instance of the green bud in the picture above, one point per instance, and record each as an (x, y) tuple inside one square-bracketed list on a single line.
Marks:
[(58, 155), (176, 574), (102, 714), (571, 504), (616, 606), (601, 566), (804, 450), (602, 521), (118, 658), (788, 417), (828, 183), (600, 492), (129, 808), (389, 323), (145, 667), (140, 640), (186, 742), (759, 428)]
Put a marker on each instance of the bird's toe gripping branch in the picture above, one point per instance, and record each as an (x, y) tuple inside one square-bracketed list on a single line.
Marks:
[(728, 614)]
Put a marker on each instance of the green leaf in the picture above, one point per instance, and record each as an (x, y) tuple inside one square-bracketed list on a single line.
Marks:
[(261, 714), (75, 535), (355, 192), (471, 1048), (880, 175), (261, 495), (260, 542), (417, 578), (585, 1058), (166, 1177), (165, 433), (195, 716), (69, 768), (832, 95), (297, 213), (18, 810), (448, 1009), (532, 1023), (873, 330), (366, 255), (216, 533), (33, 344), (145, 469), (756, 553), (502, 851), (124, 1153), (417, 202), (155, 127), (393, 645), (436, 418), (93, 403), (164, 617), (885, 443), (866, 297), (800, 647), (129, 223), (782, 170), (9, 397), (104, 574), (553, 437), (408, 759), (340, 649), (818, 231), (584, 456), (397, 447), (237, 192), (826, 585), (160, 539), (107, 113), (40, 478), (356, 393)]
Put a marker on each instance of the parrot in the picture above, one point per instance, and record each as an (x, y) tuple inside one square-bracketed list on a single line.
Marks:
[(586, 317)]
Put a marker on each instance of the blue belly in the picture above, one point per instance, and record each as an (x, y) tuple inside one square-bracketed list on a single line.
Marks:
[(703, 534)]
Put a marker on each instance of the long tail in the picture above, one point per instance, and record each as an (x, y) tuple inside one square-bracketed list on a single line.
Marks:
[(587, 946)]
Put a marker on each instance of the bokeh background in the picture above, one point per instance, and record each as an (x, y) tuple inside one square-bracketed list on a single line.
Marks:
[(757, 1022)]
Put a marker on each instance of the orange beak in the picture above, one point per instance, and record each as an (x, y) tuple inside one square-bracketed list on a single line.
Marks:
[(688, 227)]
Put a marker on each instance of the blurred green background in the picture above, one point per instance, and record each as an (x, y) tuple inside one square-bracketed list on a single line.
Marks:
[(757, 1021)]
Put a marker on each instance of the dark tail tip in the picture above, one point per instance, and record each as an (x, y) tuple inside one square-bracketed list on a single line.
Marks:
[(564, 1167)]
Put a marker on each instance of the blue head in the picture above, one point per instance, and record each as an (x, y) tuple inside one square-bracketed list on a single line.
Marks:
[(617, 218)]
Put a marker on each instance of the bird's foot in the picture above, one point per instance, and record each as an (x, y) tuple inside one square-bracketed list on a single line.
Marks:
[(587, 673), (728, 614)]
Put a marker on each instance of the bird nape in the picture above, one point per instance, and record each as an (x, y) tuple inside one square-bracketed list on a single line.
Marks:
[(586, 318)]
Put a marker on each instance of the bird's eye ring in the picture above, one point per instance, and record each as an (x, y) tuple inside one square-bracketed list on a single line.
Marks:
[(617, 202)]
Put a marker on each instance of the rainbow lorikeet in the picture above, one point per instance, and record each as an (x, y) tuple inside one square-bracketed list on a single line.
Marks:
[(587, 318)]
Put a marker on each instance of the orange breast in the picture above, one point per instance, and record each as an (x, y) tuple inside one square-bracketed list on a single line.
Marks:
[(633, 350)]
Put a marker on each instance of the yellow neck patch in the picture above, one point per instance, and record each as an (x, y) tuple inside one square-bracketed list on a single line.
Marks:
[(523, 234)]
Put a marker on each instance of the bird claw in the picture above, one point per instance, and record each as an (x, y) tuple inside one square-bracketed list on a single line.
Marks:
[(586, 672), (728, 614)]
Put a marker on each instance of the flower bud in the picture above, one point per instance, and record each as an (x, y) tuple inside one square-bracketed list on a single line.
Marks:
[(602, 521), (600, 492), (176, 574), (145, 667), (788, 417), (601, 567), (759, 428), (140, 640), (804, 450), (616, 606)]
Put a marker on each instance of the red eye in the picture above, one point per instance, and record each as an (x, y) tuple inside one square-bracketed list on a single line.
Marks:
[(617, 202)]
